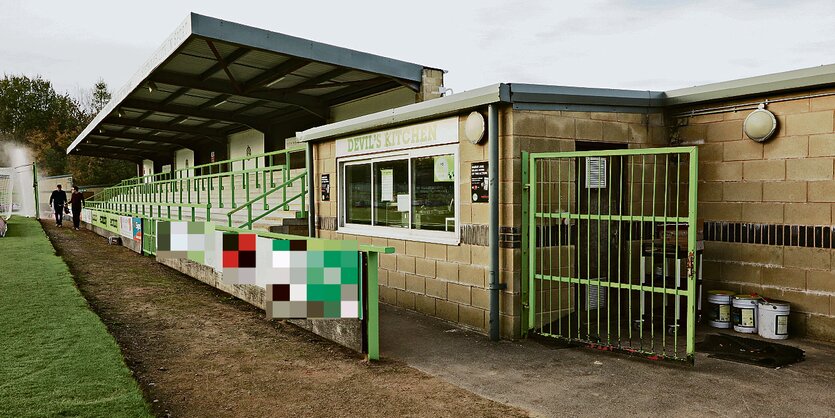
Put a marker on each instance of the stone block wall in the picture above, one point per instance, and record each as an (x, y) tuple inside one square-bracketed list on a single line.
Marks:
[(783, 192)]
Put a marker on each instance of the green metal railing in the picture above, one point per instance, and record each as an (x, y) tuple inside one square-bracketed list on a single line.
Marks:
[(609, 247), (302, 177), (193, 192)]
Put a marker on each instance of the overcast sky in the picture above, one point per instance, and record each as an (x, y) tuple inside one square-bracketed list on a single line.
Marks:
[(634, 44)]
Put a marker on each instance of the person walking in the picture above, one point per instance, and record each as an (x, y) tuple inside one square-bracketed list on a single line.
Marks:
[(58, 200), (76, 202)]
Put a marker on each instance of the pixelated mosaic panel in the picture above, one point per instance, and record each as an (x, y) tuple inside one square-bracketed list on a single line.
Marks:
[(303, 279), (181, 239), (238, 260)]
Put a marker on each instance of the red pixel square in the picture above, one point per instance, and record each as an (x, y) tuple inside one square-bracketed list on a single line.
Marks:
[(230, 259), (246, 242)]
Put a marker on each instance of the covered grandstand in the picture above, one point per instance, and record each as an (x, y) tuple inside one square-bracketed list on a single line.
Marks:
[(211, 118)]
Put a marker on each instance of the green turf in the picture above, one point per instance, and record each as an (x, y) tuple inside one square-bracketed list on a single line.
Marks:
[(56, 356)]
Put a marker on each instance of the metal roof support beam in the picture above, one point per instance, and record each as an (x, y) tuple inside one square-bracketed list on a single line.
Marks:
[(211, 134), (315, 81), (178, 140), (275, 73), (139, 148), (174, 96), (350, 93), (308, 103), (81, 151), (224, 66), (190, 111), (227, 60), (250, 106), (127, 145), (214, 102), (411, 85)]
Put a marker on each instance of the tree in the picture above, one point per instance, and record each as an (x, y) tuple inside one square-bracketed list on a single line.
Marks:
[(33, 114), (29, 104)]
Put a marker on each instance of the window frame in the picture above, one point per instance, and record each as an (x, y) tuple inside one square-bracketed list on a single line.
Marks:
[(438, 237)]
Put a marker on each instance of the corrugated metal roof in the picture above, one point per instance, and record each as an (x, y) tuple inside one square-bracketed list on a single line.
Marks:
[(185, 89)]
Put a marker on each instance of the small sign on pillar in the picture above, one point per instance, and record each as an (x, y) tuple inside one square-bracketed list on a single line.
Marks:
[(480, 182), (326, 187)]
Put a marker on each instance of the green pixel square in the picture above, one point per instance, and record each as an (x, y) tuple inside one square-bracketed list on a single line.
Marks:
[(315, 276), (324, 292), (315, 259), (281, 245), (350, 275), (332, 309), (196, 256), (333, 259), (349, 258), (196, 228)]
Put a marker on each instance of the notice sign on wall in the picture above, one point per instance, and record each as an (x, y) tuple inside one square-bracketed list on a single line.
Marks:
[(326, 187), (386, 185), (480, 180)]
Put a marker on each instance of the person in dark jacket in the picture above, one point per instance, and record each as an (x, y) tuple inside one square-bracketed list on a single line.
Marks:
[(76, 202), (58, 199)]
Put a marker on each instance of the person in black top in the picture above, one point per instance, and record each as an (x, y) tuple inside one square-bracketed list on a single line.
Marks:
[(58, 199), (76, 202)]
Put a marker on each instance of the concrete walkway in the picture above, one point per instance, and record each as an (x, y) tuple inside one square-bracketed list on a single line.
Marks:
[(551, 381)]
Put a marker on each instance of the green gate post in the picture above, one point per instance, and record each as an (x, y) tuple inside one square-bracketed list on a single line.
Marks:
[(526, 307), (691, 253), (531, 264), (373, 308)]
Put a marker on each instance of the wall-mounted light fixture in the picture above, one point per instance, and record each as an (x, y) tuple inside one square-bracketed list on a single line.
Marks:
[(151, 86), (474, 127), (760, 124)]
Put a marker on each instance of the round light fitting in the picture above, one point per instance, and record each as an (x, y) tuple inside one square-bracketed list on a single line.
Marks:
[(474, 127), (760, 125)]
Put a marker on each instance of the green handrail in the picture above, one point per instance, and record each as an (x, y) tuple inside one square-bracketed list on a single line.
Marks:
[(283, 186)]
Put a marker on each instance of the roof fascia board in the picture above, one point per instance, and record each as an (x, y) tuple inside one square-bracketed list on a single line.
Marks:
[(249, 36), (434, 108), (805, 78), (171, 44), (545, 94), (583, 108)]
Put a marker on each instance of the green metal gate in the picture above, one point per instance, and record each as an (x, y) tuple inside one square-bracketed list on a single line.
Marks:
[(149, 236), (608, 251)]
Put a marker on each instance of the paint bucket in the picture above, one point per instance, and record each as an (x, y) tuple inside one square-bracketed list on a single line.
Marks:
[(773, 319), (720, 308), (744, 313)]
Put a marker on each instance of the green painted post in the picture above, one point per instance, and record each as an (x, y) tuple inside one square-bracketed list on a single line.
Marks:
[(526, 306), (691, 253), (532, 245), (373, 308)]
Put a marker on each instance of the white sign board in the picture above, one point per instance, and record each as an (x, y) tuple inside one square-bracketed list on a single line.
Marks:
[(437, 132), (387, 185), (126, 226)]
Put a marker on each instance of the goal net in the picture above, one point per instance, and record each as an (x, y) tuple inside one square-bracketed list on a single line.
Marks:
[(7, 181), (17, 194)]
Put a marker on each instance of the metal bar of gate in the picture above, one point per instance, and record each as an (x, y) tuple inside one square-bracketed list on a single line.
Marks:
[(639, 217)]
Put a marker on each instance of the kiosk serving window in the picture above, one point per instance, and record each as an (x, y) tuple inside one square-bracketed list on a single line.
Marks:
[(401, 183)]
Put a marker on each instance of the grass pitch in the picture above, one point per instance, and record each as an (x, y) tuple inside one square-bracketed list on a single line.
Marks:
[(57, 357)]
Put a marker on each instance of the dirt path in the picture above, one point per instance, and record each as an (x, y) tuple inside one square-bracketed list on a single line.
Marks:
[(199, 352)]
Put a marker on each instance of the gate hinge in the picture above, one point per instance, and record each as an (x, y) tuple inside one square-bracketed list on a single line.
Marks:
[(526, 187)]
